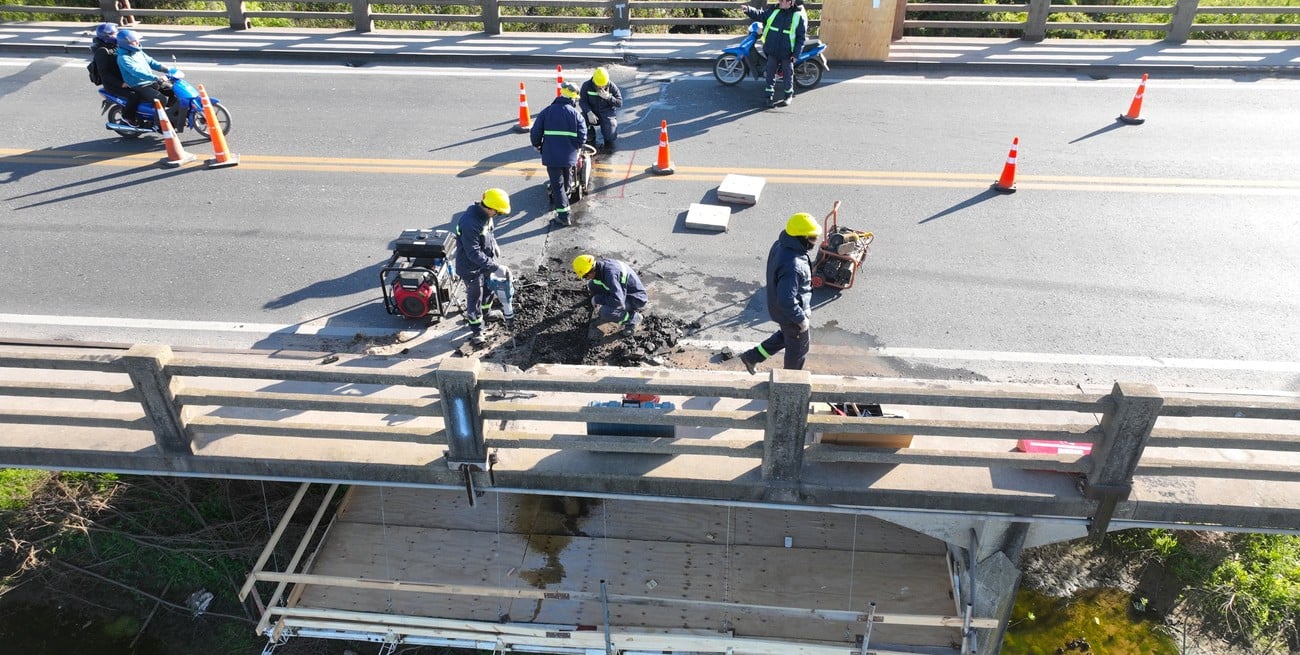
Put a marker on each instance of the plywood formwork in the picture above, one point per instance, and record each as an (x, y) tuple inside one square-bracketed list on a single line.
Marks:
[(677, 570)]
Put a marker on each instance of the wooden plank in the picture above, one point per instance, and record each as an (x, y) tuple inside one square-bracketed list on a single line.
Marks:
[(858, 30)]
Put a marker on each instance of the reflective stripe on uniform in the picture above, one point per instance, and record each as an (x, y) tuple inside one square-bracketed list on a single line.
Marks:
[(559, 133), (794, 22)]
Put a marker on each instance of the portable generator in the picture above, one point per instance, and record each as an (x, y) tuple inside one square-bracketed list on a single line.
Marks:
[(419, 280)]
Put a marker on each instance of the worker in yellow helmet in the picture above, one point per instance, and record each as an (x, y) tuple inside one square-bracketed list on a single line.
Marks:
[(558, 133), (599, 101), (615, 289), (477, 257), (789, 294)]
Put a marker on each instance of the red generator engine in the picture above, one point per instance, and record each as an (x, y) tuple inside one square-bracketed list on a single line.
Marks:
[(419, 280)]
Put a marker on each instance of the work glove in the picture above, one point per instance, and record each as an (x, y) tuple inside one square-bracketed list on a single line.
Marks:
[(503, 271), (592, 118), (604, 93), (804, 326)]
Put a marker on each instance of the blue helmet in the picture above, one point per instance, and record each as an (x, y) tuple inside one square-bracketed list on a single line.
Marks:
[(128, 39), (106, 32)]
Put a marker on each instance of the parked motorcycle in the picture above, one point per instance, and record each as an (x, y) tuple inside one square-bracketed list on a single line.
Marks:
[(186, 104), (746, 58)]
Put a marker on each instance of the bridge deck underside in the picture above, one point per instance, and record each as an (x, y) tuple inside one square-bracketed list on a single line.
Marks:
[(667, 551)]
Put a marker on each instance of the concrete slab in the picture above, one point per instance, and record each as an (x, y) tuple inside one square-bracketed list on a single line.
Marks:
[(741, 189), (710, 218)]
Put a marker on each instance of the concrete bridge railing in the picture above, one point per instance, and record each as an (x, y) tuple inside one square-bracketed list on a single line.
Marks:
[(463, 423), (1032, 19)]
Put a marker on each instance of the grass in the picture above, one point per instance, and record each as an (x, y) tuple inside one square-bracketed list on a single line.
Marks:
[(17, 486), (1103, 618)]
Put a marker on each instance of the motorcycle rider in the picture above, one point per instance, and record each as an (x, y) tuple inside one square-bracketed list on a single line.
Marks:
[(558, 133), (615, 288), (138, 72), (103, 50), (476, 256), (783, 33), (599, 101)]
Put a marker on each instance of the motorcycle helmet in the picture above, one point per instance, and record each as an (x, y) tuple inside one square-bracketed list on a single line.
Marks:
[(497, 200), (582, 265), (106, 32), (128, 39)]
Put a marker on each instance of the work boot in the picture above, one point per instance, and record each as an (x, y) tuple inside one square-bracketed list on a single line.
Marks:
[(750, 359), (787, 100), (494, 315), (629, 330), (477, 339)]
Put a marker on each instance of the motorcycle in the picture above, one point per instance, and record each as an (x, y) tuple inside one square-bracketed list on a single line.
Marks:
[(184, 110), (739, 61)]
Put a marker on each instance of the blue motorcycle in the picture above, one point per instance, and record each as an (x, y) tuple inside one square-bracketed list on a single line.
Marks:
[(739, 61), (184, 110)]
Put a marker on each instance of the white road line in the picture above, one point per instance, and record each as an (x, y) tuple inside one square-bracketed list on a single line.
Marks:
[(302, 329), (1047, 358)]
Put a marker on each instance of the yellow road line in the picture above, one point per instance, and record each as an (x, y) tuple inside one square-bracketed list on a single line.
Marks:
[(928, 179)]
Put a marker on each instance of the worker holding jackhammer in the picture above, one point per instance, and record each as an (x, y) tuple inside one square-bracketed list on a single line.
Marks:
[(789, 294), (477, 257), (616, 290)]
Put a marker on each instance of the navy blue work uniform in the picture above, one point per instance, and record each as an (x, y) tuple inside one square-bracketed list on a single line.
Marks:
[(789, 302), (784, 29), (476, 258), (559, 131), (617, 290), (605, 109)]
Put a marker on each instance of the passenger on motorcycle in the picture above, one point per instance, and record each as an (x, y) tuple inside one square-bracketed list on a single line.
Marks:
[(599, 101), (137, 69), (558, 132), (784, 32), (103, 51)]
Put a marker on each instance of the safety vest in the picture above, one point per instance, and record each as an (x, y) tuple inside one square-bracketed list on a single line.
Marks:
[(794, 22)]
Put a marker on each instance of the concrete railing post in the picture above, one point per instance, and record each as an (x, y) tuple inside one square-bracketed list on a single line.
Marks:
[(235, 13), (147, 366), (491, 17), (620, 13), (1180, 24), (1125, 430), (787, 425), (461, 401), (1036, 22), (361, 20)]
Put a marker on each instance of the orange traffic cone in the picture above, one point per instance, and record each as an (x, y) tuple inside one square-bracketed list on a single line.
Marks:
[(664, 166), (176, 155), (525, 121), (221, 155), (1007, 183), (1131, 118), (559, 79)]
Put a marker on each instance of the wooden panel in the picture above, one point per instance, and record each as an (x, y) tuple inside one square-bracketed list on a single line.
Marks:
[(857, 30)]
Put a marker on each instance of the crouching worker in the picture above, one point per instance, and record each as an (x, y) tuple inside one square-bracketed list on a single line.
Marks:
[(615, 289)]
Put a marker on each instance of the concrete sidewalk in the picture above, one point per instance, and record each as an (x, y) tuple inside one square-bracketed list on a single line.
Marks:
[(906, 55)]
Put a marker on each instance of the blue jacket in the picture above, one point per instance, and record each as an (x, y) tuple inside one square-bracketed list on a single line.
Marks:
[(476, 246), (776, 31), (137, 67), (589, 99), (617, 286), (559, 130), (789, 281)]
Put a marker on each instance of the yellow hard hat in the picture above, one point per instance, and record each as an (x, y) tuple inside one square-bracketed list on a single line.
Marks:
[(569, 90), (582, 265), (497, 200), (600, 77), (803, 225)]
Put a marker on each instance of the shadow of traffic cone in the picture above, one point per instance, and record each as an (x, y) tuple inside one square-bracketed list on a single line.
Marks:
[(221, 155), (525, 121), (559, 79), (1131, 118), (176, 155), (664, 165), (1007, 183)]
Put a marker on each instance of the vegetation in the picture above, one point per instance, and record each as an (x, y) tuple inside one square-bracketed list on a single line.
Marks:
[(1097, 620)]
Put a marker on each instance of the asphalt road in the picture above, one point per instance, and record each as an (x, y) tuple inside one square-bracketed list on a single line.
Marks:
[(1167, 248)]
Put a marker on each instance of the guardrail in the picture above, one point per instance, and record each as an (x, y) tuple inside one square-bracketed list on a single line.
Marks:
[(184, 399), (1032, 20)]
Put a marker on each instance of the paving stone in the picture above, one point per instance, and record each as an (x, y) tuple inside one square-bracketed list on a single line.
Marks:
[(741, 189), (712, 218)]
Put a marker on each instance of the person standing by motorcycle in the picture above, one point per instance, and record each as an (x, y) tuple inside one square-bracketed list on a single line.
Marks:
[(476, 256), (789, 294), (615, 288), (784, 30), (138, 72), (103, 50), (558, 133), (599, 101)]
